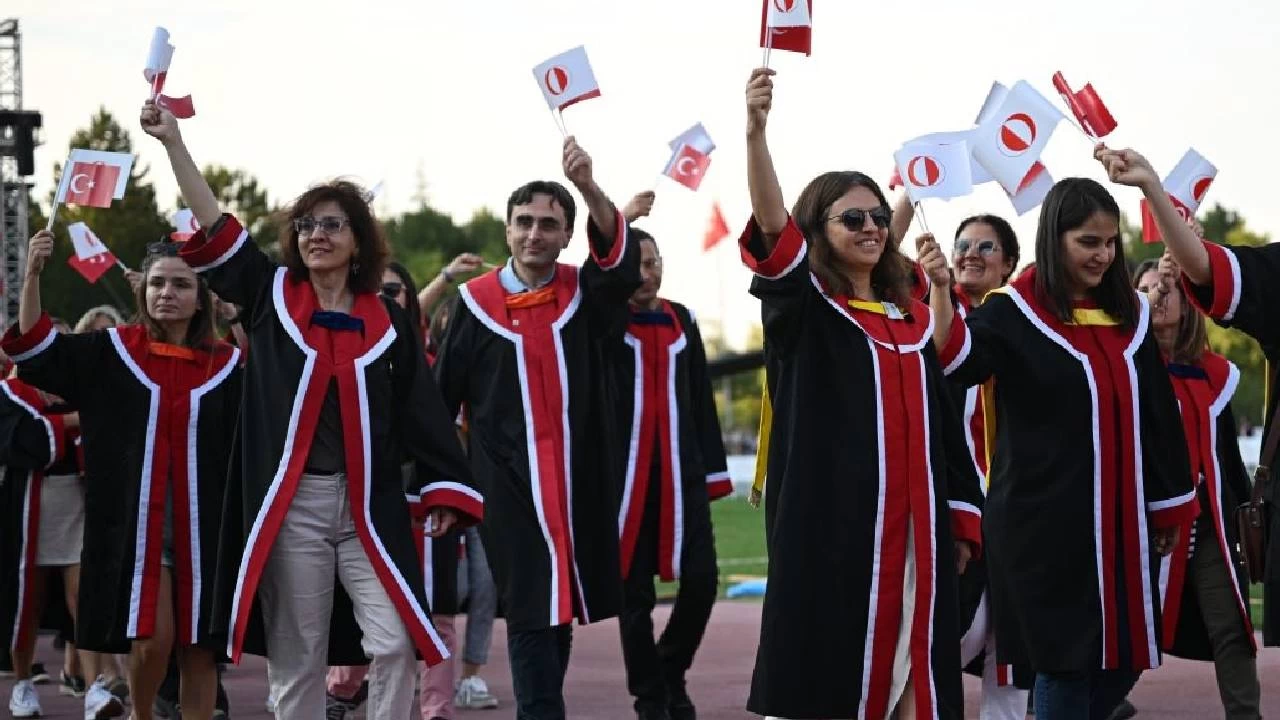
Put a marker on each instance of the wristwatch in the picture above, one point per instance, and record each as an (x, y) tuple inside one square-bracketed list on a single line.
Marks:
[(447, 276)]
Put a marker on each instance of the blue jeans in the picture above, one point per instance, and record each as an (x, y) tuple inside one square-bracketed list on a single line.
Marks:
[(1077, 696), (539, 661)]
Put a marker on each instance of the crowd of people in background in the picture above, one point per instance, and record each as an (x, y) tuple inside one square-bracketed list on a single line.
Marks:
[(1028, 474)]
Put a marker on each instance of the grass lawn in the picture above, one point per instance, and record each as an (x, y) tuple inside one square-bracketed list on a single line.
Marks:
[(739, 530)]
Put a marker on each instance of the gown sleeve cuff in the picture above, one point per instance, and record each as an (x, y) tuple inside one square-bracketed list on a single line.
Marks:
[(207, 250), (609, 259), (787, 252), (20, 346), (966, 524), (1221, 299), (719, 485), (958, 346), (465, 500), (1174, 511)]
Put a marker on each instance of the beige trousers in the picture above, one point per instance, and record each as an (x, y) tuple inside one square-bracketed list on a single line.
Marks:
[(316, 543)]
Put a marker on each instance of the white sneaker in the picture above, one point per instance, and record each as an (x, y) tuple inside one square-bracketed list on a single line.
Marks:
[(24, 702), (100, 704), (473, 694)]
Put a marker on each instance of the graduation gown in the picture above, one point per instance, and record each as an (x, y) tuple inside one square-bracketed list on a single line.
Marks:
[(155, 420), (1088, 457), (1244, 293), (1204, 395), (540, 413), (864, 444), (665, 399), (33, 442), (391, 413)]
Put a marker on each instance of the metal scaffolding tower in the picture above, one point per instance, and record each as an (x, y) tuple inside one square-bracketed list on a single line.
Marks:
[(13, 186)]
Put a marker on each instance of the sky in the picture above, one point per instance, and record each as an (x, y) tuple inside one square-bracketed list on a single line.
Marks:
[(297, 92)]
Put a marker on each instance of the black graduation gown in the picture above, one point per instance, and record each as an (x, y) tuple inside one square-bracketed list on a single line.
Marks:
[(150, 414), (1244, 293), (864, 443), (540, 412), (1204, 396), (1088, 455), (33, 442), (660, 366), (391, 413)]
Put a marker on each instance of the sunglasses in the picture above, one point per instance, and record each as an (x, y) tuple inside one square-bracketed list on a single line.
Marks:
[(164, 248), (986, 248), (328, 225), (854, 219), (392, 289)]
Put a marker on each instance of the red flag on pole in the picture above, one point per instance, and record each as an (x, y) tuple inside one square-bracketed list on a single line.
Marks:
[(1086, 106), (688, 167), (717, 228), (92, 184), (787, 25)]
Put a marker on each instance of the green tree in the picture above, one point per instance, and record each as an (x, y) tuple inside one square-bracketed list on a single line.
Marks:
[(240, 194), (425, 240), (126, 227)]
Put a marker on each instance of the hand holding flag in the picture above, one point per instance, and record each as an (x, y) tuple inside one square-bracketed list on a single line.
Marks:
[(566, 79), (93, 178), (156, 71)]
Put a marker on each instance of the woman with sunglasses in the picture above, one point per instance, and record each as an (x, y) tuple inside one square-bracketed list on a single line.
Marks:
[(862, 435), (337, 398), (984, 255), (1089, 470), (158, 400)]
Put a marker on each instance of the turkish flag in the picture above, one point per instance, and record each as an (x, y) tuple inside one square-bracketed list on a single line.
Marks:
[(688, 167), (92, 184), (93, 267), (717, 228), (1086, 106), (787, 25)]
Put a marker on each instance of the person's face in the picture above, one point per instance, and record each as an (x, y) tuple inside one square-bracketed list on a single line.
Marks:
[(650, 274), (1166, 313), (857, 227), (979, 259), (325, 239), (1089, 250), (172, 291), (537, 232), (394, 289)]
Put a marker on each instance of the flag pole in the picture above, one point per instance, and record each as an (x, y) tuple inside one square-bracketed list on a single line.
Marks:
[(558, 116), (53, 215), (768, 43), (919, 206)]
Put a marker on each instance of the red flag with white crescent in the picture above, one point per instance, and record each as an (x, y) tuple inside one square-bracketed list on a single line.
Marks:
[(688, 167)]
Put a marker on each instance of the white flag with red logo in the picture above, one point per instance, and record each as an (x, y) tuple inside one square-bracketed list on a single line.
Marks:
[(567, 78), (1008, 142), (159, 55), (184, 225), (91, 258), (1031, 192), (688, 166), (1189, 180), (695, 137), (787, 25), (931, 169), (93, 178)]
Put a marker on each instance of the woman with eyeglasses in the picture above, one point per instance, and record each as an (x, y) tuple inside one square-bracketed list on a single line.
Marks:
[(1204, 589), (158, 400), (865, 463), (1089, 472), (337, 398)]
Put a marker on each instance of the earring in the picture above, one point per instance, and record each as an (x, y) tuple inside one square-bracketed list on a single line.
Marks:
[(355, 268)]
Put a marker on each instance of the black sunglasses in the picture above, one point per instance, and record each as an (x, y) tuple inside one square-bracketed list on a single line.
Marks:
[(986, 248), (392, 289), (854, 219), (163, 248)]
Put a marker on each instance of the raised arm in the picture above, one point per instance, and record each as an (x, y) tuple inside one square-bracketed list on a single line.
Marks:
[(434, 292), (903, 213), (163, 126), (640, 205), (767, 205), (577, 168), (934, 264), (39, 248)]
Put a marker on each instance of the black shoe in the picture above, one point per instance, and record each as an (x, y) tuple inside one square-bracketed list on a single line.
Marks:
[(167, 709), (72, 685), (679, 704), (1123, 711), (652, 713), (39, 675)]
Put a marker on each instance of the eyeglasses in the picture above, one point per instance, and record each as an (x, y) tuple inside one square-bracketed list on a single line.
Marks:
[(164, 248), (328, 225), (392, 289), (986, 248), (854, 219)]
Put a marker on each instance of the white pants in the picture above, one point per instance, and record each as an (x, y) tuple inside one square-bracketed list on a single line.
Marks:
[(317, 541), (998, 703)]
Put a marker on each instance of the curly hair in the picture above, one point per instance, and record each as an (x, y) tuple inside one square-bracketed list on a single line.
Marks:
[(372, 251)]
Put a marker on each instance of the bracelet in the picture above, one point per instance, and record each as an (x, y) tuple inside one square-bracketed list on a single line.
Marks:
[(447, 276)]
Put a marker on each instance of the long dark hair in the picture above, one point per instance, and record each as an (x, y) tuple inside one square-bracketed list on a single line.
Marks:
[(890, 277), (411, 306), (1068, 206), (1193, 334), (440, 321), (200, 332), (1004, 233), (372, 250)]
